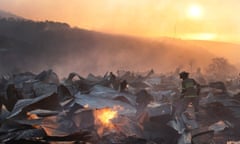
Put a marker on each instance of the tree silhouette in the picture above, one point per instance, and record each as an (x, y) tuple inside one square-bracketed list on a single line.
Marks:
[(220, 69)]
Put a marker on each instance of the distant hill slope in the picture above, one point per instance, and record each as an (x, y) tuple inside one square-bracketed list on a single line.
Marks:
[(230, 51), (4, 14), (32, 46)]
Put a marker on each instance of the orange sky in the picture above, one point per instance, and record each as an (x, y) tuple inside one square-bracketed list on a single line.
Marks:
[(214, 20)]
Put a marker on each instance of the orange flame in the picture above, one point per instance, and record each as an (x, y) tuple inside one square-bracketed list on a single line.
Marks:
[(104, 116), (103, 119)]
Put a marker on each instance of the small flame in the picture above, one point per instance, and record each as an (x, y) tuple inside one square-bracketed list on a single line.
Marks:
[(104, 116), (103, 119)]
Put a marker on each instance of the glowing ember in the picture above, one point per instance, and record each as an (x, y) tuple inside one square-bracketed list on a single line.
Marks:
[(86, 106), (31, 116)]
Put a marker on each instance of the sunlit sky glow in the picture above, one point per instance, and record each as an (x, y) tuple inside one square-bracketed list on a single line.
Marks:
[(194, 11), (191, 19)]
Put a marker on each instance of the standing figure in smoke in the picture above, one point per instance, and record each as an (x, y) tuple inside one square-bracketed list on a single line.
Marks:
[(189, 94)]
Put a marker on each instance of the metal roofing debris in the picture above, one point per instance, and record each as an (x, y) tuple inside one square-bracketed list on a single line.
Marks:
[(42, 108)]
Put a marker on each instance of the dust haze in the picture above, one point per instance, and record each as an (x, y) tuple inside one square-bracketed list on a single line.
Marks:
[(134, 55), (36, 46)]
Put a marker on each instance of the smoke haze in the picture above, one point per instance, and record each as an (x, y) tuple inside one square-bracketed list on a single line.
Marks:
[(35, 46)]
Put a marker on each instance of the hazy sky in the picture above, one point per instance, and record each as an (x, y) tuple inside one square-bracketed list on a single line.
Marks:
[(194, 19)]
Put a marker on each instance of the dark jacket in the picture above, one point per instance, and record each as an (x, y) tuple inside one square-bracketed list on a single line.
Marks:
[(190, 88)]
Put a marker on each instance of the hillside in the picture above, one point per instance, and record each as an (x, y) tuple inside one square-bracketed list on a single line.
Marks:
[(230, 51), (4, 14), (32, 46)]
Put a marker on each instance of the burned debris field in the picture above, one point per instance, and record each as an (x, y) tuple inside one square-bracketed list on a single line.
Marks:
[(41, 108), (69, 85)]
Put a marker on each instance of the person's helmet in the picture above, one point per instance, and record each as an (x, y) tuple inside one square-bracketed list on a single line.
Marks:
[(183, 74)]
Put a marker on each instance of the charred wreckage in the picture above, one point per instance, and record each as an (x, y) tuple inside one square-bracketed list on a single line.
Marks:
[(126, 108)]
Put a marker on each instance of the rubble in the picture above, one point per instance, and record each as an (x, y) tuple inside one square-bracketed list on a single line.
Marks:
[(124, 108)]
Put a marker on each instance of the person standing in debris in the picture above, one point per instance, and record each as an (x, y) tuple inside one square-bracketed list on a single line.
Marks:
[(113, 81), (123, 86), (189, 94)]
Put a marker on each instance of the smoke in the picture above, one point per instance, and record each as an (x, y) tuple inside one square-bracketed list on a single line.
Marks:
[(37, 46), (131, 54), (121, 53), (112, 54)]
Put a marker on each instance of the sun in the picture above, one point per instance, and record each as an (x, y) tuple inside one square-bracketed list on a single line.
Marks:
[(194, 11)]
